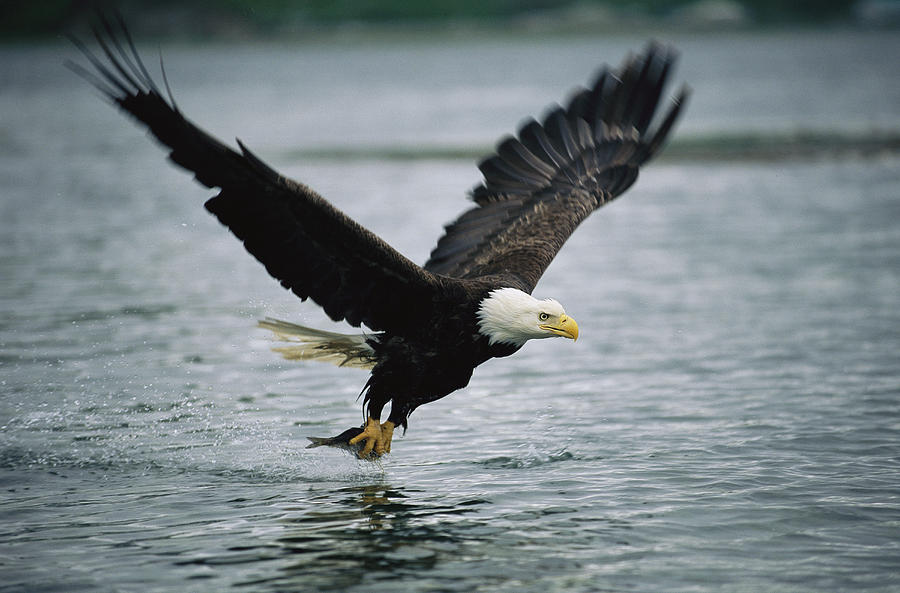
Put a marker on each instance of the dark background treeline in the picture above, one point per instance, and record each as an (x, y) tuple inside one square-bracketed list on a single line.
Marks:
[(256, 18)]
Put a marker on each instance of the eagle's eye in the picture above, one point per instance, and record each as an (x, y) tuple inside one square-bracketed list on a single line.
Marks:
[(544, 316)]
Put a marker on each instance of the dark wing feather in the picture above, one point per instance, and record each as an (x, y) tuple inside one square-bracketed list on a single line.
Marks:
[(541, 185), (311, 247)]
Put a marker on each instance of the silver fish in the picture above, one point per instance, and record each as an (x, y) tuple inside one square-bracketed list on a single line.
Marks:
[(341, 441)]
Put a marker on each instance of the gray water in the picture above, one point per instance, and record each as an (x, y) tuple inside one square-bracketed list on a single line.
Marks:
[(728, 420)]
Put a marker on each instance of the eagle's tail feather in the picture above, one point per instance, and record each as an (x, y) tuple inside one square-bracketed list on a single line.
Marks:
[(315, 344)]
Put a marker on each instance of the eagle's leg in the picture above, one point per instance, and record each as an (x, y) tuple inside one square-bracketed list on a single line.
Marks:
[(376, 438), (387, 431)]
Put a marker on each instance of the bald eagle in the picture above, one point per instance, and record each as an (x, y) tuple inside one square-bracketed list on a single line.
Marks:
[(430, 325)]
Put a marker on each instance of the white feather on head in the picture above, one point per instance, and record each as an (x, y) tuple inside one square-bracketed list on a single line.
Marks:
[(511, 316)]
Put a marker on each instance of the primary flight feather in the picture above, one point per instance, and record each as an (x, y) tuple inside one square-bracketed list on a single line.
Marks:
[(432, 324)]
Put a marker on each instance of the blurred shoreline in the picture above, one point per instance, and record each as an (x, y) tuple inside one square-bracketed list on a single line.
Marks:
[(762, 146), (245, 20)]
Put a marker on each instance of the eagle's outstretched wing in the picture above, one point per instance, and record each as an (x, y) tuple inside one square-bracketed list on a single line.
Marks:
[(310, 246), (541, 185)]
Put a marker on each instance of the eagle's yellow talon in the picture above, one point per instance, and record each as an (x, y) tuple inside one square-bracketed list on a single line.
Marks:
[(376, 437), (387, 433)]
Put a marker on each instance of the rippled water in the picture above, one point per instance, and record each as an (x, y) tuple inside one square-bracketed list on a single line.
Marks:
[(727, 421)]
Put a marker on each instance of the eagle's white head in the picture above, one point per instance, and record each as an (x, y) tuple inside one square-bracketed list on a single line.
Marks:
[(510, 316)]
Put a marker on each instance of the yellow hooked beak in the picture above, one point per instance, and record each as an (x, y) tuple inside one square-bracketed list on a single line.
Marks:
[(565, 327)]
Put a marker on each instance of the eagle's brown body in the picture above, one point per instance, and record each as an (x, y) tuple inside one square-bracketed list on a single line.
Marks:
[(426, 339)]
